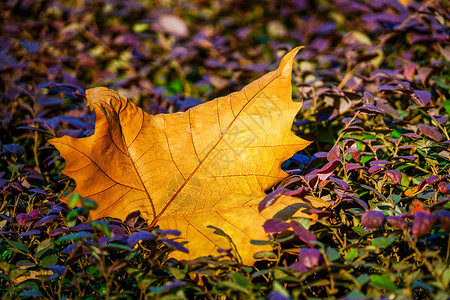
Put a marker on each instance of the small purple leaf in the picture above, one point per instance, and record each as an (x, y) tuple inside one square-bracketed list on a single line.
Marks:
[(271, 198), (397, 222), (309, 257), (408, 157), (31, 232), (370, 109), (421, 97), (275, 226), (444, 219), (395, 176), (373, 219), (23, 218), (168, 231), (412, 135), (333, 154), (46, 220), (353, 167), (430, 132), (328, 169), (140, 236), (174, 245), (423, 223), (303, 234), (379, 162)]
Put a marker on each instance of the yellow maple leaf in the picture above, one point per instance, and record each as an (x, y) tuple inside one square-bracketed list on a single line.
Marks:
[(208, 166)]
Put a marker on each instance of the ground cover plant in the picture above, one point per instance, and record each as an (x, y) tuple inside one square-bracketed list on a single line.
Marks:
[(374, 81)]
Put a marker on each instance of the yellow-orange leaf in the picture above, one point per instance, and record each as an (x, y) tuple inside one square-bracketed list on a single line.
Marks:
[(207, 166)]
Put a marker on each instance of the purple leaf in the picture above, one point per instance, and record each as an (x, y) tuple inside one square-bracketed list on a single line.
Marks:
[(132, 218), (309, 257), (430, 132), (395, 176), (60, 270), (140, 236), (423, 223), (31, 232), (353, 167), (442, 186), (352, 128), (174, 245), (38, 191), (357, 200), (6, 218), (82, 226), (319, 155), (333, 154), (339, 182), (328, 169), (298, 266), (397, 222), (408, 157), (303, 234), (275, 226), (46, 220), (22, 219), (275, 295), (348, 120), (16, 186), (301, 192), (421, 97), (379, 162), (373, 219), (412, 135), (14, 149), (58, 231), (444, 219), (171, 232), (375, 169), (370, 109), (355, 153), (440, 119), (271, 198)]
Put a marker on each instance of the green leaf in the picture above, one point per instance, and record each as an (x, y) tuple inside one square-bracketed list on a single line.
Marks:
[(49, 260), (240, 279), (73, 200), (44, 246), (366, 158), (359, 230), (117, 247), (89, 204), (332, 254), (234, 286), (352, 254), (19, 246), (395, 198), (446, 277), (265, 255), (363, 279), (82, 235), (261, 243), (177, 273), (375, 191), (383, 282), (383, 242)]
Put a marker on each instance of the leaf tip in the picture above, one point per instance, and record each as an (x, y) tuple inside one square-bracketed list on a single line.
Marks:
[(287, 62)]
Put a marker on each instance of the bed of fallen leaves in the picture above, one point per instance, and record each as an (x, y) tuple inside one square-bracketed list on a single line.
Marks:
[(374, 78)]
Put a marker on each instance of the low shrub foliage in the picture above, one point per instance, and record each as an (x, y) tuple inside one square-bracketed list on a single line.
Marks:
[(374, 80)]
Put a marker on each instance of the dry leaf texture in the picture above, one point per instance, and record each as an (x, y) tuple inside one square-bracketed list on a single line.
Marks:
[(207, 166)]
